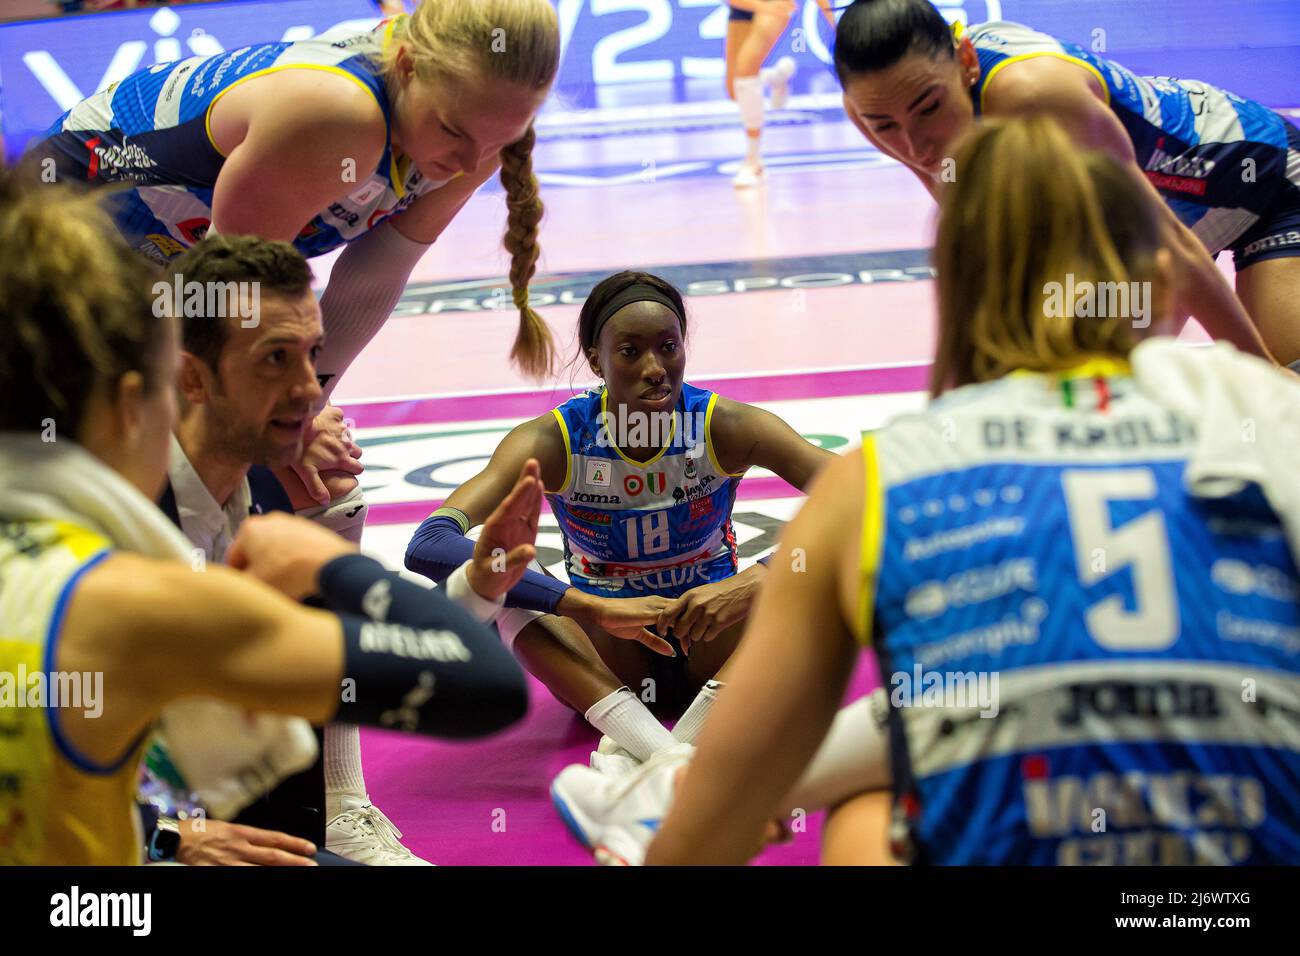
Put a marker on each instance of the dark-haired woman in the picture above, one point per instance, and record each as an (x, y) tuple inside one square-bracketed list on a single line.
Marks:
[(641, 475), (1226, 168)]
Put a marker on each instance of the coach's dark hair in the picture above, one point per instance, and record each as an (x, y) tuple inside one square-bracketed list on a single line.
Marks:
[(606, 290), (277, 267), (76, 308), (875, 34)]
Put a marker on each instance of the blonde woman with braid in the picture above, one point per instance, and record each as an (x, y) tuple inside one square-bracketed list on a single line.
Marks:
[(372, 141), (1065, 566)]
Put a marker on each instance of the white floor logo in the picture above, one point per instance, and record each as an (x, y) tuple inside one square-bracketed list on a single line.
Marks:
[(134, 910)]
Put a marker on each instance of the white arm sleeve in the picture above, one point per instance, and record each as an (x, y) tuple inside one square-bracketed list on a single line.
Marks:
[(367, 281)]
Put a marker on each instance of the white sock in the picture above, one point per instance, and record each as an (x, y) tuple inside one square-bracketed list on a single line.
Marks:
[(749, 97), (853, 758), (688, 728), (622, 717), (754, 151), (769, 74), (345, 784), (364, 287)]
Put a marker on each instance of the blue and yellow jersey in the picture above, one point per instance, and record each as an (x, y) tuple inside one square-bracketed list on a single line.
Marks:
[(1220, 162), (56, 806), (1086, 664), (153, 132), (635, 528)]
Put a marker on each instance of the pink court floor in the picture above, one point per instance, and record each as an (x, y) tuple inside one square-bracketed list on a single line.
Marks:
[(810, 296)]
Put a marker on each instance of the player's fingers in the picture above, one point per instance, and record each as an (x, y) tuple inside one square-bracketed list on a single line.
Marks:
[(516, 504), (689, 622), (654, 642), (312, 482), (668, 616), (521, 555)]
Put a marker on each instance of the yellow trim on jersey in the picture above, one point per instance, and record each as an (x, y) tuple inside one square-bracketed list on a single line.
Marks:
[(1097, 367), (568, 452), (207, 117), (82, 543), (708, 440), (873, 538), (958, 30), (388, 31), (1029, 56), (672, 431), (395, 174)]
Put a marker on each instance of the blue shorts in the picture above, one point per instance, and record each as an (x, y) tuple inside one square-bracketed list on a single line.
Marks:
[(744, 15), (1277, 236)]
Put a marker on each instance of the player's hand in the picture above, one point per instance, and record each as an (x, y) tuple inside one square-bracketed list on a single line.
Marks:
[(285, 552), (702, 613), (327, 447), (231, 844), (506, 544), (624, 618)]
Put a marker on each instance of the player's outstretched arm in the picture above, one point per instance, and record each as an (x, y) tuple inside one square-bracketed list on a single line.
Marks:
[(160, 631), (785, 685)]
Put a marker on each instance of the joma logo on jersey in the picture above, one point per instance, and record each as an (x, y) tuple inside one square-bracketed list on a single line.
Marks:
[(583, 497), (339, 211), (1151, 700)]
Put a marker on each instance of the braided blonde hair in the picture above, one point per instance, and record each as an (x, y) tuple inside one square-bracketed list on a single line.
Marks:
[(1028, 209), (450, 39)]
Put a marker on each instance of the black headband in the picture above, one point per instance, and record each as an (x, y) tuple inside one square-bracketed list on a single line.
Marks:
[(640, 292)]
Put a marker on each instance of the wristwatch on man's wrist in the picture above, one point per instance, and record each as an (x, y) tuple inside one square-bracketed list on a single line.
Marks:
[(165, 841)]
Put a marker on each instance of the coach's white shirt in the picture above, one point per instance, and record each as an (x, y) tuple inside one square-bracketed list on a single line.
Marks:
[(211, 528)]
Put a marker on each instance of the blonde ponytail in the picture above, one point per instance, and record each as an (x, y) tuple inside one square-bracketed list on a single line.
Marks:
[(1030, 213)]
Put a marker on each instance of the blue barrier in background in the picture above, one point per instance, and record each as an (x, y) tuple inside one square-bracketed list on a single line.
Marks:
[(624, 52)]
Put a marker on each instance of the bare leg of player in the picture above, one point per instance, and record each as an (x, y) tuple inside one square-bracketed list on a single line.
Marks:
[(748, 44)]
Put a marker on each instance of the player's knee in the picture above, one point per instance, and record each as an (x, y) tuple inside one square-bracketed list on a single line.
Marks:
[(856, 832)]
